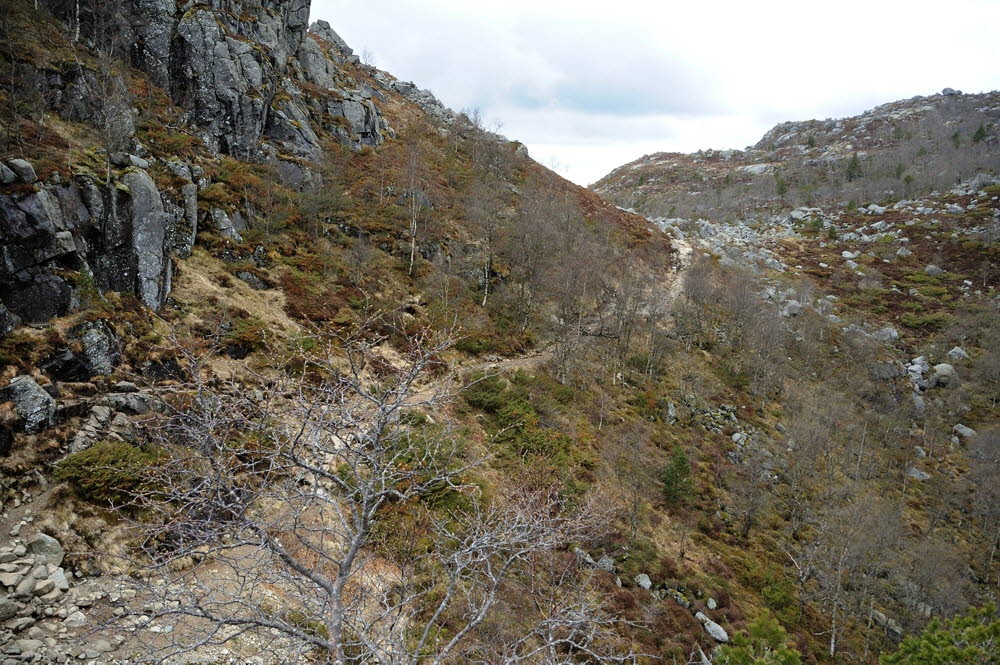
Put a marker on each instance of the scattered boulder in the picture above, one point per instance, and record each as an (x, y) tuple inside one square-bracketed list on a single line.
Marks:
[(917, 474), (964, 432), (933, 270), (46, 549), (791, 308), (887, 334), (24, 171), (642, 579), (957, 353), (717, 632), (943, 375), (34, 407), (255, 282)]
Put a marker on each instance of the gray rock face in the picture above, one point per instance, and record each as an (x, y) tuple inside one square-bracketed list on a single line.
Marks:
[(65, 227), (34, 407), (917, 474), (642, 580)]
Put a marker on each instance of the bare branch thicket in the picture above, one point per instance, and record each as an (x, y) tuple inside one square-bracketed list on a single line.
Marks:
[(303, 511)]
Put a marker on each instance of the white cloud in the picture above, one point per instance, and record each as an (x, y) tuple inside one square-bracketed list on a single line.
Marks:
[(592, 85)]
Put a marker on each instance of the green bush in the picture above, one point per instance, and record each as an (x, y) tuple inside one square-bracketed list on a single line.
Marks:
[(486, 393), (929, 321), (109, 472)]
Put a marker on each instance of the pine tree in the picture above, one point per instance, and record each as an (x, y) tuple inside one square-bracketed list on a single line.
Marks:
[(764, 643), (980, 134), (854, 168), (970, 639), (676, 477)]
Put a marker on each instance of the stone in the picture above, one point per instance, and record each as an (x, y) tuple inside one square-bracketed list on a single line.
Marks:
[(887, 334), (711, 603), (606, 563), (933, 270), (43, 587), (34, 407), (46, 549), (8, 321), (224, 225), (8, 608), (943, 375), (10, 580), (717, 632), (59, 579), (75, 620), (24, 171), (7, 177), (956, 354), (642, 580), (255, 282), (950, 92), (917, 474), (964, 432), (791, 308)]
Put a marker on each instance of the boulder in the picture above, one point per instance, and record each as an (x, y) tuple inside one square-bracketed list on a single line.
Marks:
[(642, 580), (717, 632), (943, 375), (917, 474), (964, 432), (46, 549), (8, 609), (8, 321), (791, 308), (933, 270), (24, 171), (7, 177), (34, 407), (887, 334), (957, 353)]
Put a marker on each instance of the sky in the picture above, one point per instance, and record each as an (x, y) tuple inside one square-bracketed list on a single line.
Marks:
[(589, 86)]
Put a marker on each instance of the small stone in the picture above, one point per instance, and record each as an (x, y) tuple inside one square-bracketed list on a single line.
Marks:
[(642, 580), (711, 604)]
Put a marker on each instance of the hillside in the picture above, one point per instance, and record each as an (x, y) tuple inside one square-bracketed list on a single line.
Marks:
[(298, 365), (900, 149)]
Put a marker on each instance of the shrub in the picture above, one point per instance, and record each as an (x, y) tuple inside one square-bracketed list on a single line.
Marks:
[(929, 321), (109, 472), (486, 393)]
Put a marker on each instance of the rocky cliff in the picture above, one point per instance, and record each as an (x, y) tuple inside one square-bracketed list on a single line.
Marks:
[(248, 81)]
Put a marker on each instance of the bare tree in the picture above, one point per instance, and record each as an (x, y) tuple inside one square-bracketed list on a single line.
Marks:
[(415, 197), (113, 117), (484, 206), (292, 498)]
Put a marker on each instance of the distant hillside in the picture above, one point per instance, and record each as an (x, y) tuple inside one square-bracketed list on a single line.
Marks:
[(900, 149)]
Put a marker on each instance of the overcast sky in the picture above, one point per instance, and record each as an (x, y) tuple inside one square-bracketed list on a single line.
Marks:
[(591, 85)]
